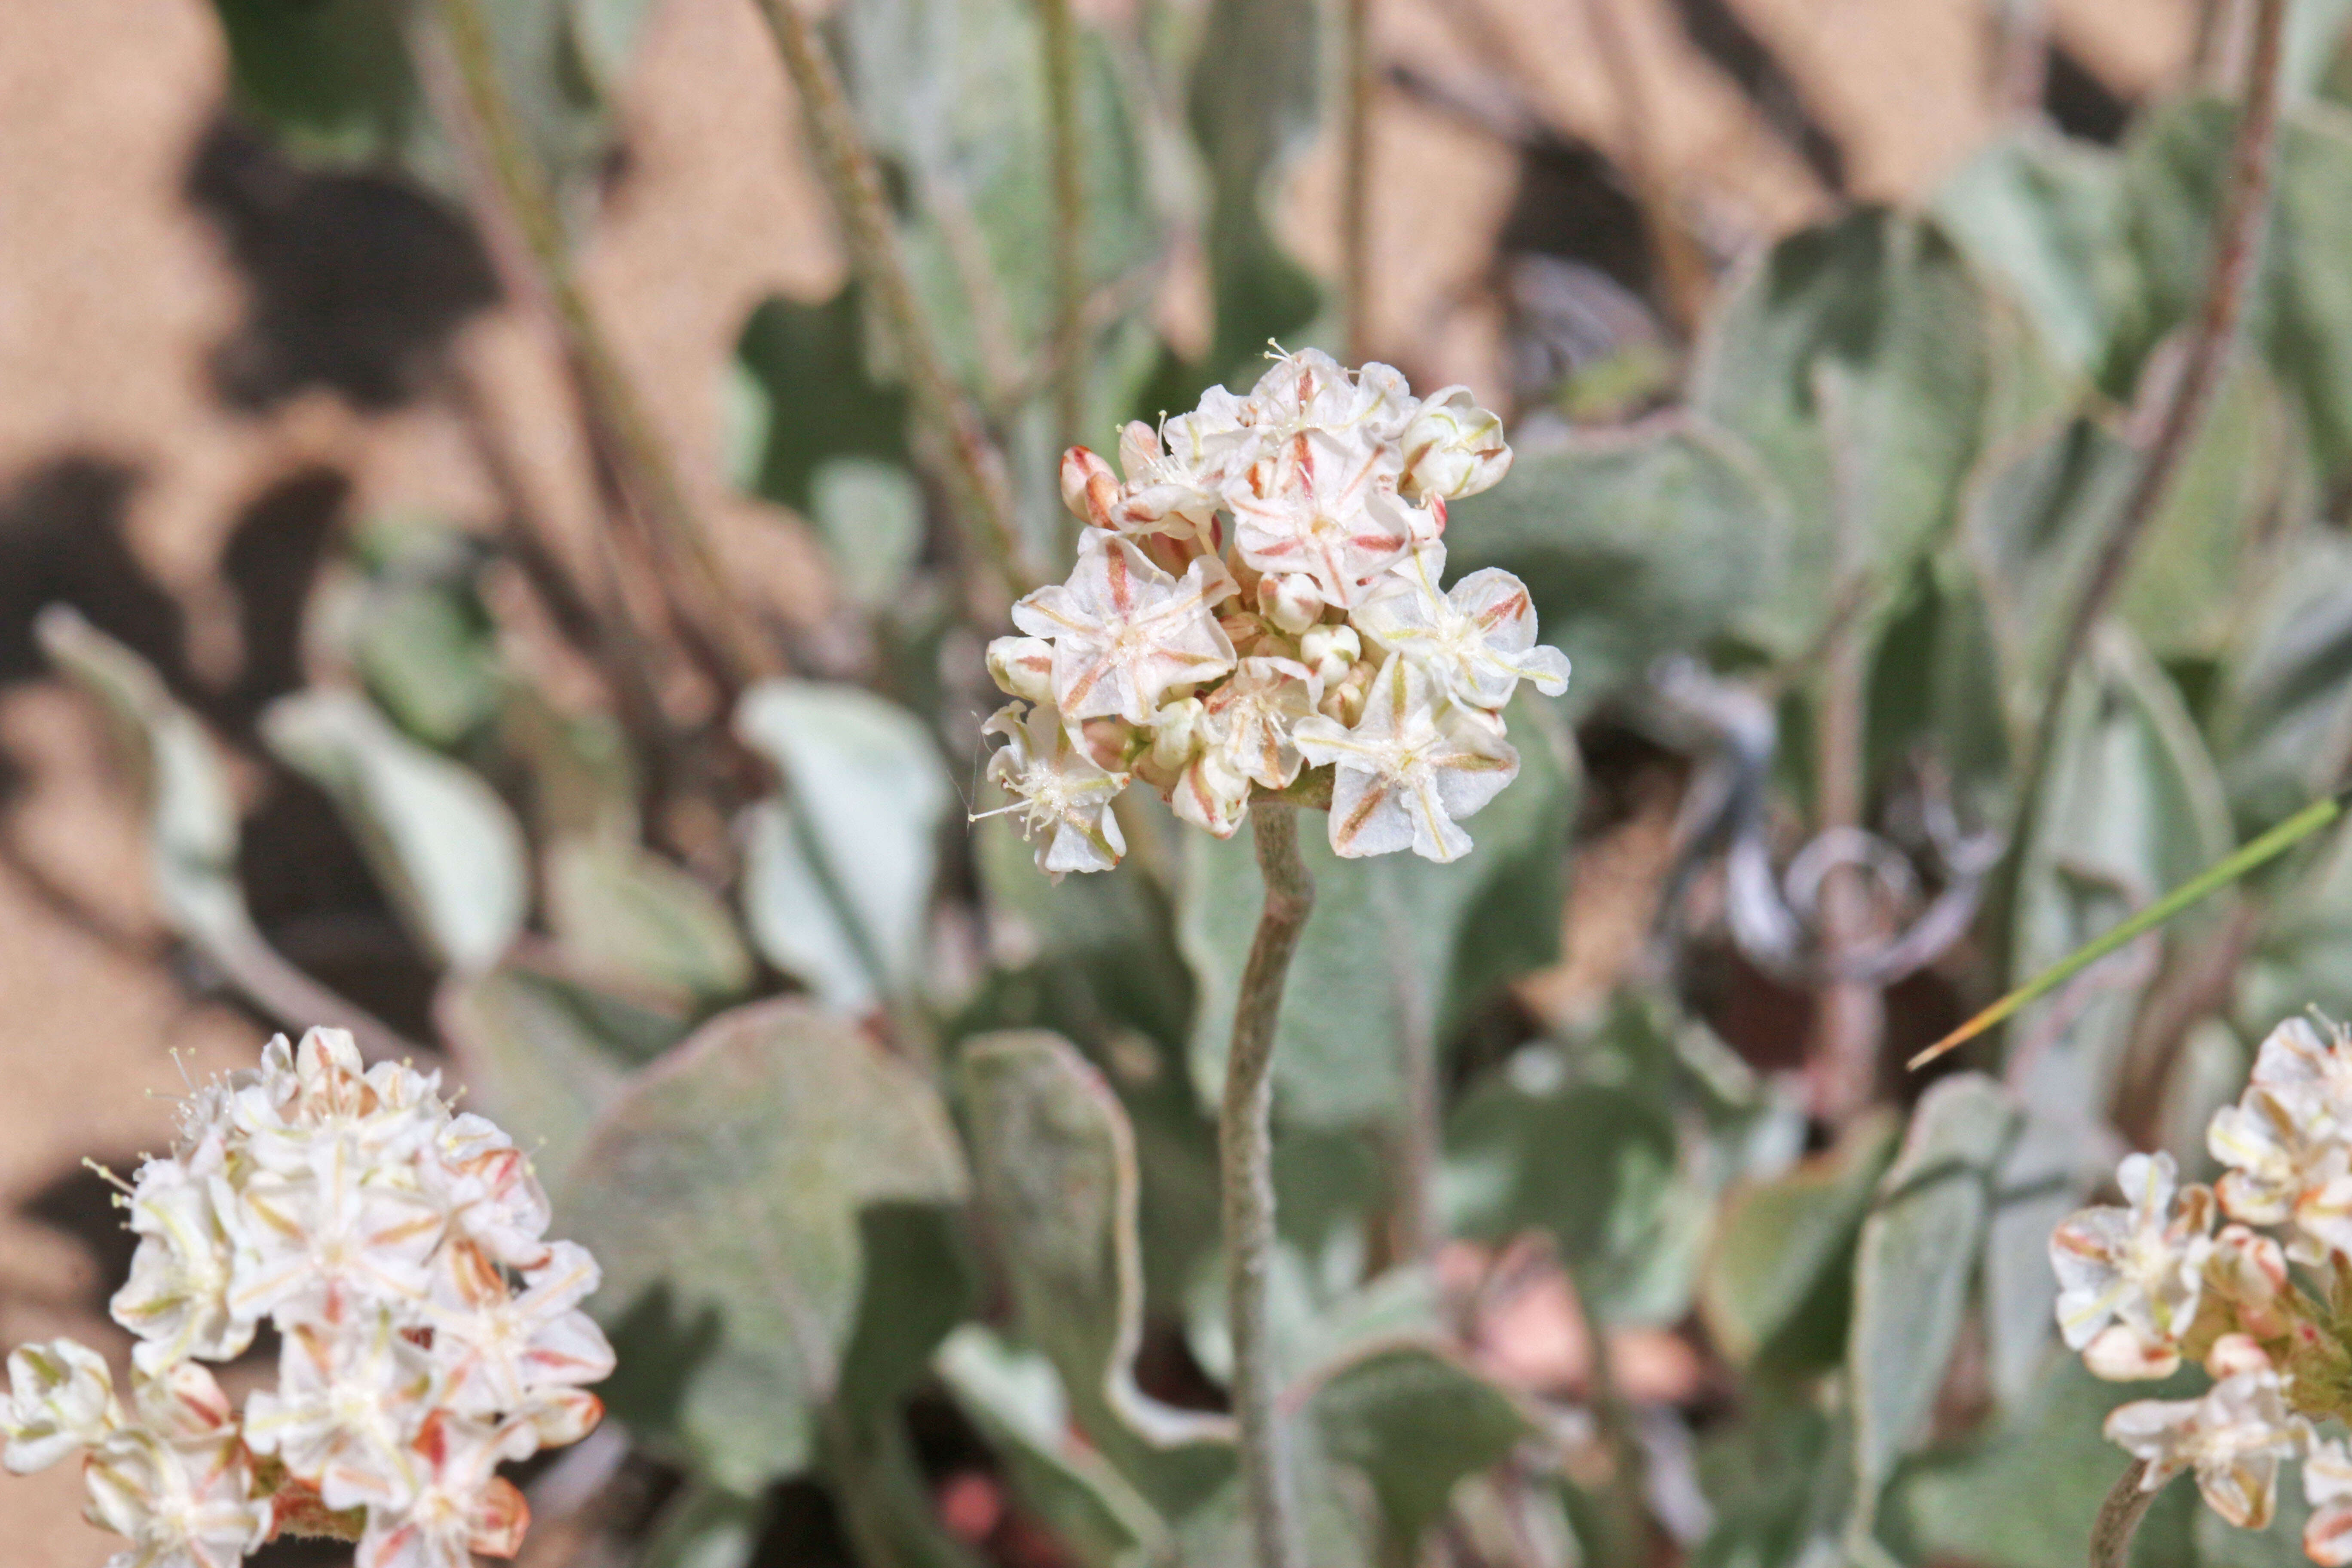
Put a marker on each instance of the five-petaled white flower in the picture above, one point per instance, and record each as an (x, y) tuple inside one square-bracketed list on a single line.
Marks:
[(60, 1402), (1061, 797), (2233, 1438), (1326, 507), (1247, 730), (2288, 1162), (1124, 631), (2129, 1278), (1477, 640), (1408, 769)]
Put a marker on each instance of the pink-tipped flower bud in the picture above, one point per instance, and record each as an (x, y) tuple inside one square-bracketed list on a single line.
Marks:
[(1290, 601), (1088, 487)]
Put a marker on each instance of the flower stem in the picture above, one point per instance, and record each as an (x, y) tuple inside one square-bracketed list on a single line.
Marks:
[(1246, 1144), (1070, 366), (2119, 1517), (1356, 181), (955, 444), (2245, 207), (521, 210)]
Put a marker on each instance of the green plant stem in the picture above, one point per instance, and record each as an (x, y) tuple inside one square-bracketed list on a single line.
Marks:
[(1356, 181), (2236, 247), (1246, 1148), (1069, 345), (956, 446), (643, 470), (2270, 846), (2119, 1517)]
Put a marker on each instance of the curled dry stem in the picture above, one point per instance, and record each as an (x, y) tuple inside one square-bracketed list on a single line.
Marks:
[(957, 445), (2119, 1517), (1246, 1145)]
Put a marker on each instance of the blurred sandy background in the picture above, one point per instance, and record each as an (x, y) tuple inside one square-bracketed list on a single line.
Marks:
[(209, 361)]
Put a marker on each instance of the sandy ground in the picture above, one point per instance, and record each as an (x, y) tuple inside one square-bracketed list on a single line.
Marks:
[(113, 292)]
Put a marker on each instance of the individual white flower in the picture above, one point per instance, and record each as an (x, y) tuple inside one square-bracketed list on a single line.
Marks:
[(2234, 1438), (1250, 719), (1477, 640), (348, 1403), (340, 1229), (2328, 1487), (2128, 1278), (2294, 1058), (1453, 447), (1061, 796), (176, 1298), (178, 1483), (497, 1345), (1408, 769), (1124, 631), (384, 1114), (2288, 1162), (486, 1187), (464, 1506), (1324, 505), (1310, 390), (60, 1402)]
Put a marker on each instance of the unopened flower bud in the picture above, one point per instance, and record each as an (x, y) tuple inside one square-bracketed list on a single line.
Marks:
[(1454, 448), (1022, 667), (1290, 601), (1088, 487), (1175, 731), (2234, 1353), (2248, 1270), (1212, 795), (1345, 700), (1330, 652)]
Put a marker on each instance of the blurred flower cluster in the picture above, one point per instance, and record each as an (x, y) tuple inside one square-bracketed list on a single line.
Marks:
[(2145, 1287), (1261, 594), (427, 1333)]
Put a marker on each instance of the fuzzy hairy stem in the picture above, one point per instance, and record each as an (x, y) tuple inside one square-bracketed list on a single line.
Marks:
[(2119, 1517), (1356, 181), (1246, 1148), (1070, 301), (2245, 209), (521, 210), (964, 460)]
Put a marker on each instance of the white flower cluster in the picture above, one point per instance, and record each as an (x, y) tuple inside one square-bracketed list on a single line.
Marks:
[(2142, 1287), (427, 1332), (1259, 596)]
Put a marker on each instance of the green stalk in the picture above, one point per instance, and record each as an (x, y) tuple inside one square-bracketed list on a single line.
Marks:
[(2269, 847)]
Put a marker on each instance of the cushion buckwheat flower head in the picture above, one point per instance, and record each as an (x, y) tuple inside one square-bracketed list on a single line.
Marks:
[(1258, 597), (429, 1330), (2129, 1278)]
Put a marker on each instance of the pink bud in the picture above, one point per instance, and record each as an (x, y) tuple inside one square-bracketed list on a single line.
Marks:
[(1088, 487)]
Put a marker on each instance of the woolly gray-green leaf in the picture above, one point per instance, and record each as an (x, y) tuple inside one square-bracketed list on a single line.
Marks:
[(1854, 359), (624, 912), (1017, 1400), (192, 820), (1774, 1283), (722, 1191), (839, 882), (544, 1055), (1415, 1420), (442, 843), (1632, 545), (1913, 1265), (1054, 1162)]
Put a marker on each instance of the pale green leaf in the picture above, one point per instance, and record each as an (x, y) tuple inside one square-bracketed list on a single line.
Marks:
[(442, 843), (623, 912), (856, 837), (722, 1193)]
